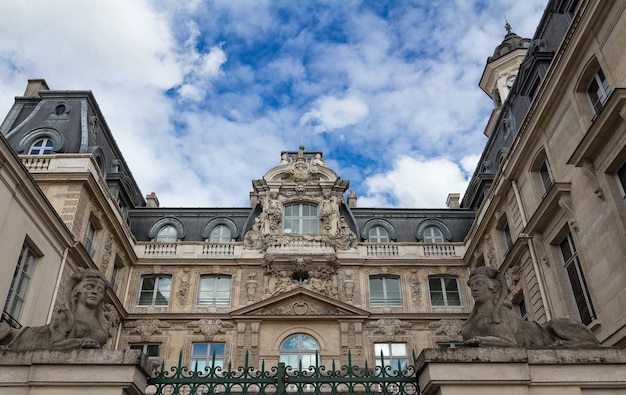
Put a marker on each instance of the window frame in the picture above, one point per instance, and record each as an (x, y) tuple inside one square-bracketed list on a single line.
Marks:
[(300, 219), (574, 271), (599, 95), (145, 348), (386, 299), (18, 290), (390, 358), (300, 353), (214, 300), (47, 146), (170, 237), (380, 235), (433, 238), (165, 293), (205, 360), (90, 237), (445, 293), (225, 234)]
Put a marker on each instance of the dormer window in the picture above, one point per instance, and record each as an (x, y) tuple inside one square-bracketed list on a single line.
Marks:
[(42, 146), (301, 219)]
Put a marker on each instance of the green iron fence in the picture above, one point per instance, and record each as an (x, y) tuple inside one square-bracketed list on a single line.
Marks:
[(285, 380)]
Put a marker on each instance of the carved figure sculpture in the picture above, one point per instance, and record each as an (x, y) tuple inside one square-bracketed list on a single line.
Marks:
[(80, 324), (493, 322)]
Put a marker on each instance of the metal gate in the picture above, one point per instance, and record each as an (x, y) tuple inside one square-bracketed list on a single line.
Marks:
[(285, 380)]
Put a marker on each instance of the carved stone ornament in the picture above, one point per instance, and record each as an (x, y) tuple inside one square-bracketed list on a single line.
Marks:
[(301, 307), (449, 328), (81, 323), (389, 327), (146, 328), (210, 328), (183, 288), (493, 322)]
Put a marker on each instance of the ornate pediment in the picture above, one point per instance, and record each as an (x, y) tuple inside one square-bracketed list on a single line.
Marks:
[(301, 303)]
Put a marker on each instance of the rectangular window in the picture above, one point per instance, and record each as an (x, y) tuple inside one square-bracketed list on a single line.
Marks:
[(598, 91), (521, 310), (214, 291), (155, 290), (206, 355), (152, 350), (116, 273), (300, 219), (546, 176), (508, 241), (391, 354), (21, 281), (444, 291), (90, 238), (577, 280), (385, 291)]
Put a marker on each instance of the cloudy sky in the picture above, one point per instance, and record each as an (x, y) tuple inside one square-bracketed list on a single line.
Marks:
[(202, 96)]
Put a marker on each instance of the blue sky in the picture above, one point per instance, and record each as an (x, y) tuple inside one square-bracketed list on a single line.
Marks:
[(202, 96)]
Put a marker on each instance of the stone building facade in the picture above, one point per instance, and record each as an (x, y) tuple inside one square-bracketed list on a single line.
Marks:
[(304, 271)]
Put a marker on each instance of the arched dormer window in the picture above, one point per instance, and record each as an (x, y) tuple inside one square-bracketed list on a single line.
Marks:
[(44, 141), (378, 231), (220, 230), (433, 231), (167, 234), (300, 218), (542, 175), (593, 88), (42, 146), (432, 234), (167, 230)]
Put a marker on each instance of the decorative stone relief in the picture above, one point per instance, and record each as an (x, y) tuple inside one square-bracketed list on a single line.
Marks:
[(251, 286), (348, 285), (210, 328), (146, 328), (112, 318), (108, 249), (512, 276), (318, 276), (416, 290), (491, 251), (302, 307), (590, 171), (253, 239), (449, 328), (183, 288), (389, 327)]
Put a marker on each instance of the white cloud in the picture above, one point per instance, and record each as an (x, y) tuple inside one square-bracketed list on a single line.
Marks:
[(332, 113), (414, 181)]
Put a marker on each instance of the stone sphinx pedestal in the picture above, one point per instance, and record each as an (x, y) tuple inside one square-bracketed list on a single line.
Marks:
[(73, 372), (517, 371)]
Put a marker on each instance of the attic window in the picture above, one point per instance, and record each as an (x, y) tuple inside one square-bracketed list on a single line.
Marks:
[(60, 109)]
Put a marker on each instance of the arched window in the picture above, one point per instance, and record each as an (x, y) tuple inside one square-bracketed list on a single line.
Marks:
[(167, 234), (300, 219), (221, 234), (42, 146), (378, 234), (299, 350), (432, 234)]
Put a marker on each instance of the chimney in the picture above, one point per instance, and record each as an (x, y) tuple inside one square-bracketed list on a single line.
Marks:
[(352, 199), (34, 86), (453, 200), (152, 200)]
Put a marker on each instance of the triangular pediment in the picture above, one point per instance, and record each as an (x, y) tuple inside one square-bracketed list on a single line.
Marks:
[(301, 303)]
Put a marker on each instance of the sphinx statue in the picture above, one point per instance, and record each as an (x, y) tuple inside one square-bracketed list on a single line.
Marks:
[(79, 324), (493, 322)]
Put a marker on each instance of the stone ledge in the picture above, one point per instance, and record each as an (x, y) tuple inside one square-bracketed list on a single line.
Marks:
[(75, 357), (523, 355)]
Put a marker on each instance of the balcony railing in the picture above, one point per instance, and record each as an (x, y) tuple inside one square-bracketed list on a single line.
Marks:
[(13, 323)]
